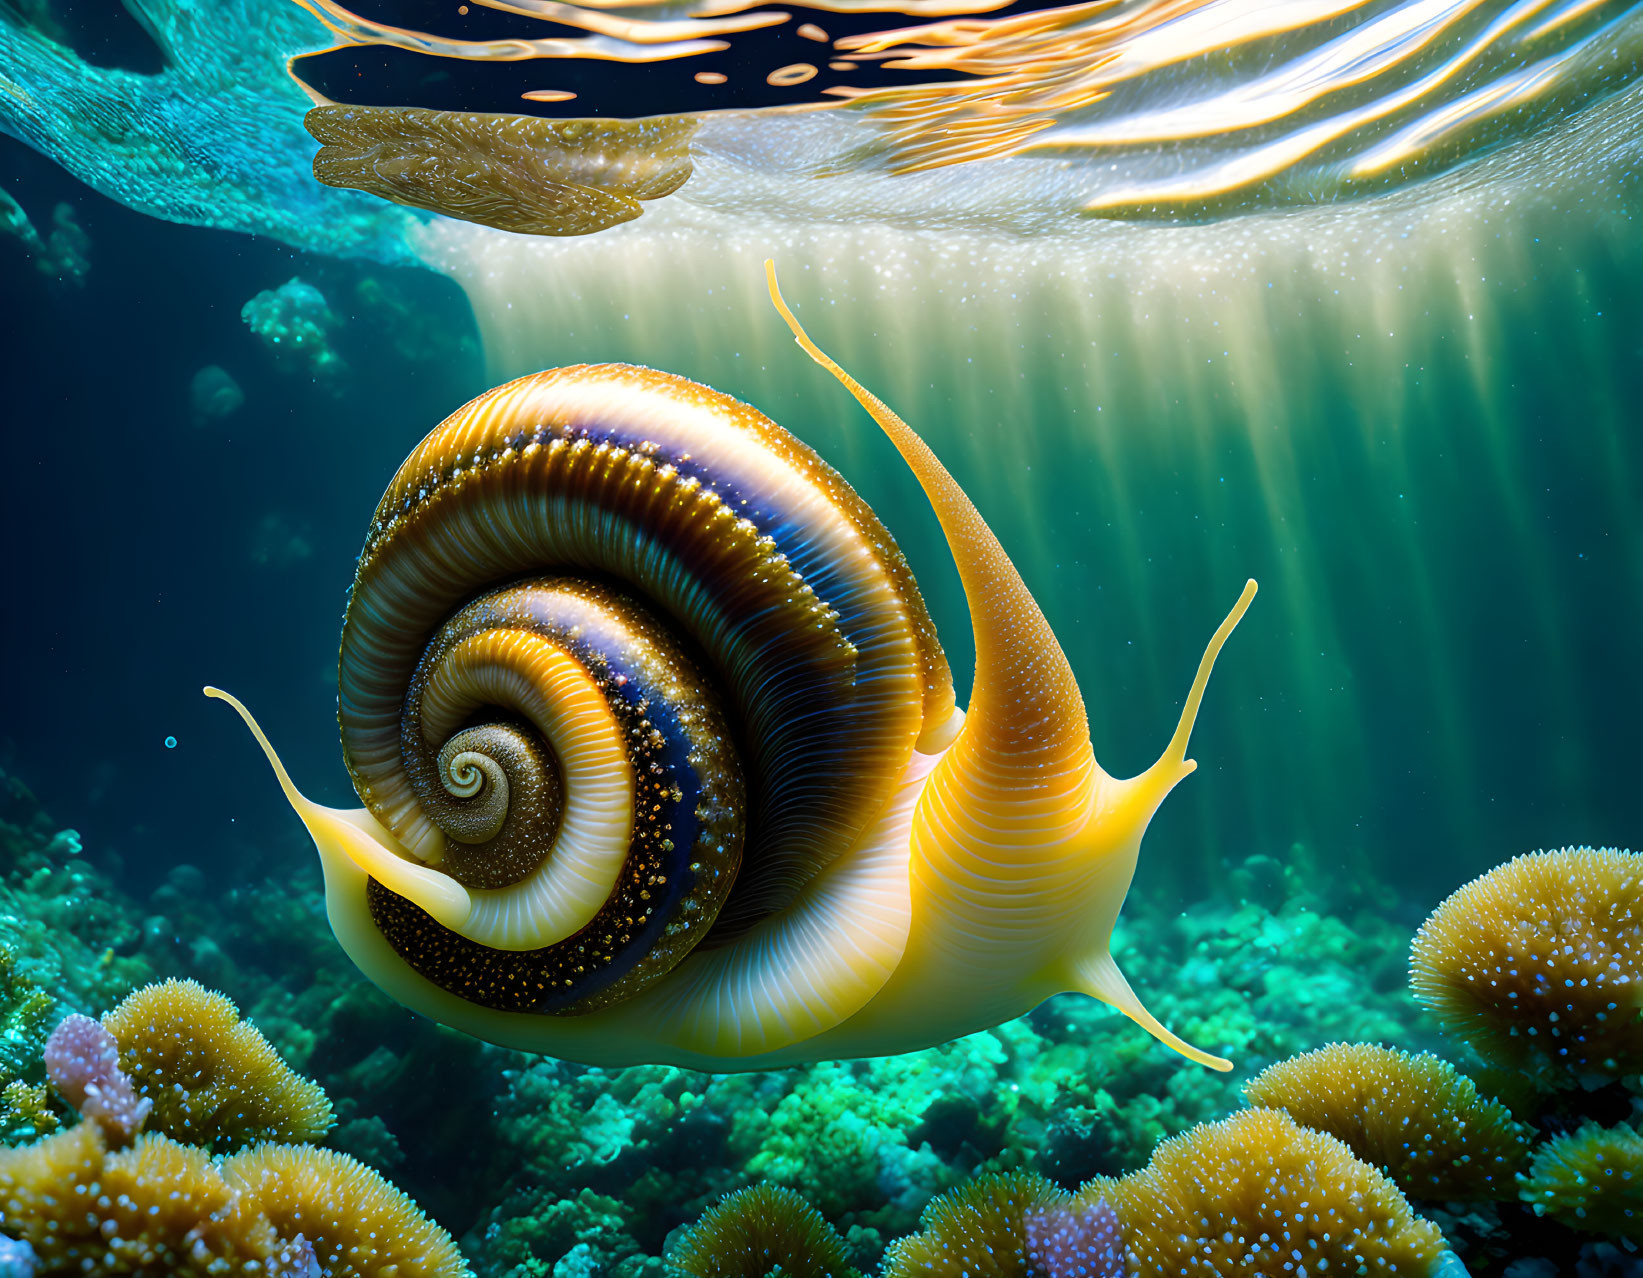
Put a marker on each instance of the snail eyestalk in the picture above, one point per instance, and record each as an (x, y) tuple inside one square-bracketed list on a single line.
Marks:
[(361, 839), (1176, 751)]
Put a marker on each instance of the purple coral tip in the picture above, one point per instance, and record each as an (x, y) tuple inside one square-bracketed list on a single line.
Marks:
[(83, 1063), (1077, 1241)]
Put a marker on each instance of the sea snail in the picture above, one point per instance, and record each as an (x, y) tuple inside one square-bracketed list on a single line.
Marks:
[(660, 758)]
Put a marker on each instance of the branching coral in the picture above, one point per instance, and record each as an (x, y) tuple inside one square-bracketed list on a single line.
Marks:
[(978, 1230), (1413, 1116), (357, 1223), (761, 1231), (1591, 1179), (66, 929), (1257, 1193), (214, 1079), (1539, 963)]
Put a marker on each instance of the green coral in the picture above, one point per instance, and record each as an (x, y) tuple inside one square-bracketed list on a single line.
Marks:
[(25, 1111), (25, 1017), (295, 323), (1591, 1179)]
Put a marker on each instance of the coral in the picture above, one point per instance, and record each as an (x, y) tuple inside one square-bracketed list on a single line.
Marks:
[(295, 322), (157, 1207), (357, 1223), (1255, 1193), (761, 1231), (66, 932), (1538, 964), (165, 1207), (214, 1079), (370, 1141), (976, 1231), (1082, 1240), (83, 1063), (533, 1233), (837, 1136), (214, 395), (25, 1014), (1590, 1179), (1413, 1116), (25, 1111)]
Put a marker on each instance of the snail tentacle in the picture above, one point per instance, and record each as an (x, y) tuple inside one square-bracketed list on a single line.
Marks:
[(356, 838)]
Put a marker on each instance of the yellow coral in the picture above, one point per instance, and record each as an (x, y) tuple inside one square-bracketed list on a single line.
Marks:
[(975, 1231), (158, 1207), (1258, 1193), (1413, 1116), (753, 1231), (162, 1207), (359, 1225), (213, 1078), (1540, 962), (1590, 1179)]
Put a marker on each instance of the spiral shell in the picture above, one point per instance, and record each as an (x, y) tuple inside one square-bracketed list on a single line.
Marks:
[(631, 664)]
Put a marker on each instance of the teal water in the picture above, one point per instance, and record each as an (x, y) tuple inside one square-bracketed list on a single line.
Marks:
[(1405, 402)]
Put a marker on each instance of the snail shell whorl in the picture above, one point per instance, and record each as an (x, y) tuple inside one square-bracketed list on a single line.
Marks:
[(631, 663)]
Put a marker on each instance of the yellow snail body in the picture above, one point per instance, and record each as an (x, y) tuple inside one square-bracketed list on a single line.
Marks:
[(660, 756)]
